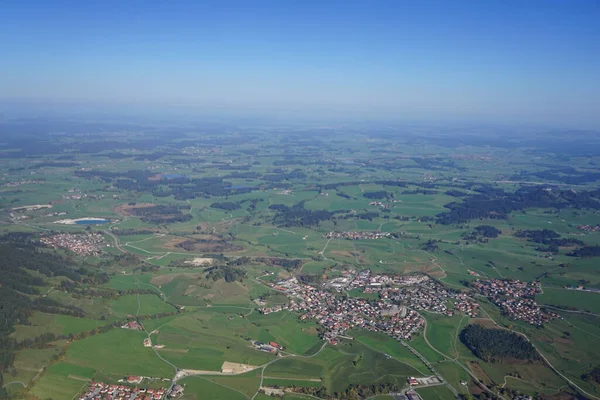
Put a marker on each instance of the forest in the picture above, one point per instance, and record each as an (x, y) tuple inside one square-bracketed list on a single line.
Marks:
[(586, 252), (592, 376), (492, 345), (161, 214), (297, 215), (493, 203), (382, 194), (548, 237), (18, 289), (226, 205), (230, 274)]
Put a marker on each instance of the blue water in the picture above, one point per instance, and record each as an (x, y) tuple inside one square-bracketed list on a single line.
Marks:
[(239, 187), (172, 176), (91, 221)]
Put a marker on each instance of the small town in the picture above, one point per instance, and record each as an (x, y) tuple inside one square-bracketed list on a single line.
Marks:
[(84, 244), (394, 314), (352, 235), (516, 299)]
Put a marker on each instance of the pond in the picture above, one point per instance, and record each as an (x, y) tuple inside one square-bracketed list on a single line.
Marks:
[(91, 221)]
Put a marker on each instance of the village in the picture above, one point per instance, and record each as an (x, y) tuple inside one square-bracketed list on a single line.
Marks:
[(395, 313), (352, 235), (589, 228), (83, 244), (105, 391), (516, 299)]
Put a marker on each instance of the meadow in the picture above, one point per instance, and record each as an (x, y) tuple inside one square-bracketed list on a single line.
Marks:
[(282, 194)]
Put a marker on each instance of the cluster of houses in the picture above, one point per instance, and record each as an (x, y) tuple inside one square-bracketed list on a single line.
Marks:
[(83, 244), (77, 196), (271, 347), (133, 325), (424, 293), (394, 313), (516, 299), (589, 228), (507, 287), (582, 288), (380, 204), (352, 235), (338, 314), (466, 305), (274, 309), (351, 280), (104, 391), (23, 182)]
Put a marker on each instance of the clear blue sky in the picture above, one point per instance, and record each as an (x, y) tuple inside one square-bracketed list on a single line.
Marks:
[(527, 60)]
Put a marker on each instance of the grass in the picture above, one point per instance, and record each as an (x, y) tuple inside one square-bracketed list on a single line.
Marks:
[(442, 332), (385, 344), (295, 368), (246, 383), (291, 382), (28, 364), (186, 291), (419, 344), (41, 323), (143, 304), (202, 388), (204, 340), (454, 374), (563, 298), (101, 351), (344, 364), (436, 393), (62, 381), (285, 329)]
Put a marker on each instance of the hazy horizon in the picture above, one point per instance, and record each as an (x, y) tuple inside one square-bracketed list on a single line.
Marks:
[(511, 62)]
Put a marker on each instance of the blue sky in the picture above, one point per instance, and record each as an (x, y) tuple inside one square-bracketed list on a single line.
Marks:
[(511, 61)]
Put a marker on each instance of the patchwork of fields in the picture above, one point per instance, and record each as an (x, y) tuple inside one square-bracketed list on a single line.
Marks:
[(306, 209)]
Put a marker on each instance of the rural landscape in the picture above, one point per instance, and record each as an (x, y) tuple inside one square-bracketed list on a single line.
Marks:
[(241, 261)]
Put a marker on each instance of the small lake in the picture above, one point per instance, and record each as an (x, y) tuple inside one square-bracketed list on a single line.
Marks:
[(91, 221), (172, 176)]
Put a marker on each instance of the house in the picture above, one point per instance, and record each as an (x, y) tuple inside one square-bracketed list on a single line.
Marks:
[(134, 379), (412, 396)]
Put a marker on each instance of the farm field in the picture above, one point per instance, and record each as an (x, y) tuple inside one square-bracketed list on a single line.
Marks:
[(340, 268), (435, 392)]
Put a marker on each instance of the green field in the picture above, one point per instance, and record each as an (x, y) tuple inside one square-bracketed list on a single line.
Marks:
[(570, 299), (139, 305), (108, 347), (435, 392), (282, 189), (62, 380), (58, 324), (201, 388)]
